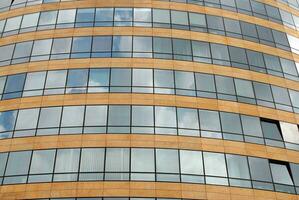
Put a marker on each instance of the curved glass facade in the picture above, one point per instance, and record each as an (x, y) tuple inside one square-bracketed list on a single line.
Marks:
[(149, 100)]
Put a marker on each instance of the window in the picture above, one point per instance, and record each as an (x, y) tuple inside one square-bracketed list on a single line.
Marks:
[(232, 28), (215, 24), (77, 80), (187, 121), (142, 119), (55, 80), (49, 120), (14, 86), (142, 164), (72, 116), (101, 46), (205, 85), (142, 80), (61, 46), (220, 54), (198, 22), (209, 120), (237, 167), (66, 18), (162, 48), (164, 81), (104, 17), (98, 80), (271, 129), (3, 160), (249, 31), (42, 163), (215, 168), (182, 49), (120, 80), (123, 16), (260, 173), (6, 54), (22, 52), (117, 161), (256, 61), (289, 132), (281, 174), (7, 123), (92, 160), (244, 91), (67, 162), (295, 99), (142, 17), (238, 57), (263, 94), (252, 129), (17, 165), (179, 20), (201, 51), (281, 96), (230, 123), (13, 23), (47, 19), (27, 119), (161, 18), (30, 21), (81, 47), (34, 81), (191, 164), (122, 46), (95, 119), (184, 82), (142, 46), (273, 65), (85, 17), (41, 49), (163, 158), (165, 117), (225, 88), (119, 119)]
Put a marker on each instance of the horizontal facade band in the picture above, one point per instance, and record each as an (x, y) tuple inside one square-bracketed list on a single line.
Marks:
[(149, 99)]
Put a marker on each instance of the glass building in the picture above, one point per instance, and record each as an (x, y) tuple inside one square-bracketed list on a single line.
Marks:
[(149, 99)]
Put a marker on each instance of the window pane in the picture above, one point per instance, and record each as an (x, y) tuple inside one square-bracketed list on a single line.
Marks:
[(259, 169), (165, 116), (66, 16), (164, 157), (214, 164), (56, 79), (49, 117), (209, 120), (184, 80), (77, 78), (271, 129), (27, 119), (143, 77), (7, 120), (244, 88), (42, 161), (95, 116), (72, 116), (35, 81), (119, 116), (99, 77), (289, 132), (48, 17), (225, 85), (187, 118), (237, 166), (18, 163), (205, 82), (117, 160), (120, 77), (142, 116), (92, 160), (164, 78), (281, 173), (251, 126), (191, 162), (61, 45), (41, 47), (230, 122), (67, 160), (142, 160)]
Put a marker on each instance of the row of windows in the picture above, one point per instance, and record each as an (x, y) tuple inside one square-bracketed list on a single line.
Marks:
[(146, 164), (250, 7), (117, 119), (291, 3), (147, 47), (146, 17), (152, 81)]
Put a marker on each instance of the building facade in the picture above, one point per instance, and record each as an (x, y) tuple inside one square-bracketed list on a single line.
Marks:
[(149, 99)]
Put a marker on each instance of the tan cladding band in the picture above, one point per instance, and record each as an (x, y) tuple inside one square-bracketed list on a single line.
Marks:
[(150, 4), (136, 189), (158, 32), (148, 141), (149, 99), (149, 64)]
